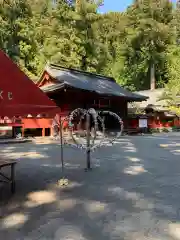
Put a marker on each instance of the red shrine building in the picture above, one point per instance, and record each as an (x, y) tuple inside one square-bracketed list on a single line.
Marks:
[(71, 89), (19, 96), (159, 117)]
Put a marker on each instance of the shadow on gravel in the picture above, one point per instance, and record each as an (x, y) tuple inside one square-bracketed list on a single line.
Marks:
[(131, 193)]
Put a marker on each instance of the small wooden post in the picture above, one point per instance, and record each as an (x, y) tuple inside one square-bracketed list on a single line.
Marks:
[(88, 152), (12, 178), (61, 142), (51, 131), (43, 132), (22, 132)]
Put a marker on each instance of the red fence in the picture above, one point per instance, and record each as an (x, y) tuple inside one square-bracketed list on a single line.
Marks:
[(154, 123)]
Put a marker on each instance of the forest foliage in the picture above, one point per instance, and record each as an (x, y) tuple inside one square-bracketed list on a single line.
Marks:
[(74, 33)]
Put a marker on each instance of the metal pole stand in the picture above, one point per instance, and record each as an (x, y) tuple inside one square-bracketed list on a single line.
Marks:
[(88, 151), (63, 181), (88, 161)]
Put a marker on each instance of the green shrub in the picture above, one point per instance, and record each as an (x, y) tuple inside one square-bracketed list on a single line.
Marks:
[(175, 129), (165, 130), (154, 130)]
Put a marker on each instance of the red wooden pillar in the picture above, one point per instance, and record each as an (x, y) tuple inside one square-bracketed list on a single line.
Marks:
[(51, 132), (43, 132), (22, 132)]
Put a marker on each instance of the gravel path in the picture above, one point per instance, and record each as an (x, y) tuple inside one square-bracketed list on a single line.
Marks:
[(133, 192)]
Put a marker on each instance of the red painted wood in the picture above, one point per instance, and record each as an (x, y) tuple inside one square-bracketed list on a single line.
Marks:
[(45, 80), (37, 123), (18, 94), (43, 132), (153, 122)]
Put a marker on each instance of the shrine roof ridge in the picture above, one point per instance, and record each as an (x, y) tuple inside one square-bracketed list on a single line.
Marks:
[(68, 77), (59, 67)]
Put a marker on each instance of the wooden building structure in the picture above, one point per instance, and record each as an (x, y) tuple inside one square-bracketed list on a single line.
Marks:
[(19, 96), (71, 89), (154, 109)]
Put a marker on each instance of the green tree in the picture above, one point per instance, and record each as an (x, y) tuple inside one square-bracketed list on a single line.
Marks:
[(17, 34), (86, 20), (133, 47), (112, 32), (74, 37), (43, 23), (172, 89), (150, 34)]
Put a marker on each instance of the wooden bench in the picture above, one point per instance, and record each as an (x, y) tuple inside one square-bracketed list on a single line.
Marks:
[(6, 163)]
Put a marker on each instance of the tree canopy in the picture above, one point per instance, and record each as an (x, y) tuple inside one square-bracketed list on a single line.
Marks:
[(132, 46)]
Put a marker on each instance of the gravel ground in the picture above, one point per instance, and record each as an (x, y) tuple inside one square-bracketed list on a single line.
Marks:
[(133, 192)]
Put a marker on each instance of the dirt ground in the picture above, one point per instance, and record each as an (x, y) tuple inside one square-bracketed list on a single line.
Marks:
[(133, 192)]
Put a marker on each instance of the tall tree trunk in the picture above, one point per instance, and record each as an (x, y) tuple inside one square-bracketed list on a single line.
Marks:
[(84, 64), (152, 77)]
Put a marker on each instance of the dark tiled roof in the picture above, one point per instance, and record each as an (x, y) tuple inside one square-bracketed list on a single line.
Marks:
[(87, 81), (153, 98)]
